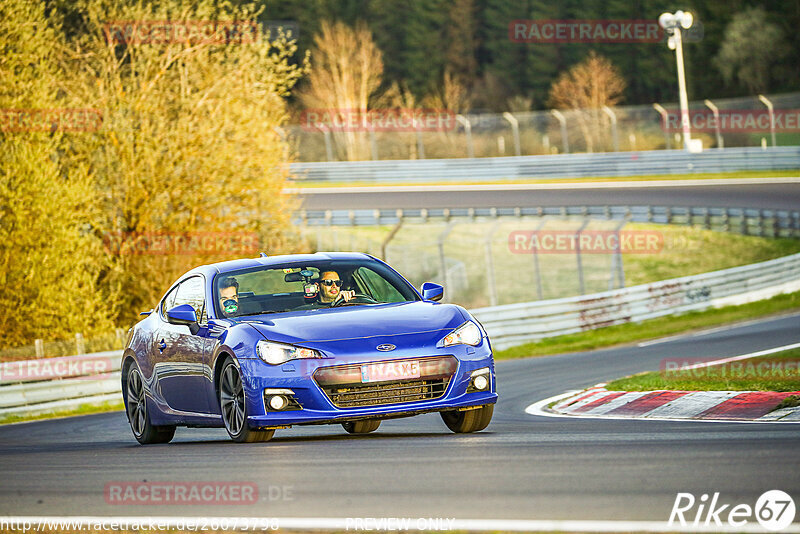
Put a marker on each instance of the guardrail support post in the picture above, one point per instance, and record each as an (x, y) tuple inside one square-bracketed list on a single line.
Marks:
[(563, 121), (515, 129), (39, 347), (79, 345)]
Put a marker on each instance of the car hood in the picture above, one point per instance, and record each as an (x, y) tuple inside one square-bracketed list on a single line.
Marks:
[(357, 322)]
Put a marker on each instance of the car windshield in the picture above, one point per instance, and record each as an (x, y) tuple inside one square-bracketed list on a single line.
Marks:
[(308, 286)]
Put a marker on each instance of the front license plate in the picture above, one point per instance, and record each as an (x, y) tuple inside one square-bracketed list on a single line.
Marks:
[(381, 372)]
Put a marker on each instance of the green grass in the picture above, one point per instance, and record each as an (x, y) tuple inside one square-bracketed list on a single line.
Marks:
[(651, 329), (698, 176), (773, 372), (83, 409)]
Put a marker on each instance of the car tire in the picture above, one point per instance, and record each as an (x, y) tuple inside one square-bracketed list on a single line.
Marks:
[(233, 406), (142, 427), (468, 420), (365, 426)]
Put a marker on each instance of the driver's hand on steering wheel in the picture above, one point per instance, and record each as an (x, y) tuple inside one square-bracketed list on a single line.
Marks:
[(345, 295)]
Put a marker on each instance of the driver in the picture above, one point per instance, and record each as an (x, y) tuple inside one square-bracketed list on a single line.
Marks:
[(229, 296), (330, 289)]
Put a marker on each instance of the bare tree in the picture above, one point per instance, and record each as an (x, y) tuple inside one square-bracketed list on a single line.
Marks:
[(346, 72), (585, 88)]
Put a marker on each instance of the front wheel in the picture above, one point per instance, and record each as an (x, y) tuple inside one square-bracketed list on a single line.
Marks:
[(234, 409), (361, 427), (468, 420), (138, 416)]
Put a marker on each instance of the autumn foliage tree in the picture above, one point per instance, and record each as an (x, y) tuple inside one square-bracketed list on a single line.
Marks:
[(188, 143), (346, 72), (585, 88)]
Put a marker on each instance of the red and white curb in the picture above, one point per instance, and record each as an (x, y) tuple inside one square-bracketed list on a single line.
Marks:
[(747, 406), (664, 404)]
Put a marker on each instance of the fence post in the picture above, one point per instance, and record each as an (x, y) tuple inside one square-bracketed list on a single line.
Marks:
[(468, 131), (391, 235), (578, 255), (764, 100), (537, 270), (563, 121), (490, 264), (79, 344), (38, 345), (715, 111), (515, 129), (442, 258), (607, 110), (664, 118)]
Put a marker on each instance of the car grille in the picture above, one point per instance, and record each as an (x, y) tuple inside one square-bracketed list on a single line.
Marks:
[(377, 394), (343, 386)]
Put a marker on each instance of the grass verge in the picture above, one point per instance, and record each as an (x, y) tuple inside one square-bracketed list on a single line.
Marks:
[(652, 329), (773, 372), (83, 409), (587, 179)]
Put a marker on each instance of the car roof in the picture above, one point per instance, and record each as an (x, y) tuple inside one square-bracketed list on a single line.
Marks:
[(266, 261)]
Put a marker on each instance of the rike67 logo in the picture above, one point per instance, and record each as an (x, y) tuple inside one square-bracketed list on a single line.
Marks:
[(774, 510)]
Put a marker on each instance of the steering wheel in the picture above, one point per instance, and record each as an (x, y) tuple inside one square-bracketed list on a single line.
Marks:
[(358, 298)]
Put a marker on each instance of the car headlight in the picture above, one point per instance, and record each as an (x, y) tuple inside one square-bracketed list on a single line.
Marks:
[(466, 334), (278, 353)]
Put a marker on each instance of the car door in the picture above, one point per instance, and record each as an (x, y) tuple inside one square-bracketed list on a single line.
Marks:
[(183, 369)]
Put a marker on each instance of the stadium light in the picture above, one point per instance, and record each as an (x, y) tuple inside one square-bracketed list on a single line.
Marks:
[(672, 24)]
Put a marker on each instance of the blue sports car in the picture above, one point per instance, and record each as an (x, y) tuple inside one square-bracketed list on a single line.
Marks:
[(259, 344)]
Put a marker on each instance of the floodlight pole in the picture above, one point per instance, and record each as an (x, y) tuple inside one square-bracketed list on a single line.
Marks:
[(672, 24)]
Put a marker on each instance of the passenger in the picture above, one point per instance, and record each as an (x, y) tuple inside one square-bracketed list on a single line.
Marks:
[(229, 296)]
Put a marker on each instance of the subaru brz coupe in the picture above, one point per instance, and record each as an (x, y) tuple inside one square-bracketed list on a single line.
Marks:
[(259, 344)]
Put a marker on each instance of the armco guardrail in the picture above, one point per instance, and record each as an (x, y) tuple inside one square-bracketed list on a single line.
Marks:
[(514, 324), (554, 166), (42, 386), (33, 387), (761, 222)]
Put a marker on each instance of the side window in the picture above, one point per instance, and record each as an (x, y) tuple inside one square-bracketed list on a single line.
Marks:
[(169, 302), (379, 287), (191, 292)]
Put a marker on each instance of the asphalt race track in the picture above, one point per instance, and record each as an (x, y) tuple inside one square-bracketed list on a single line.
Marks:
[(521, 467), (771, 196)]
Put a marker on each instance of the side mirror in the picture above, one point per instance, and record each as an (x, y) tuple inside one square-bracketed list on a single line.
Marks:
[(184, 315), (431, 291)]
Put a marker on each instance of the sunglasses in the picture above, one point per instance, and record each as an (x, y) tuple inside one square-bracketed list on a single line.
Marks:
[(329, 283)]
